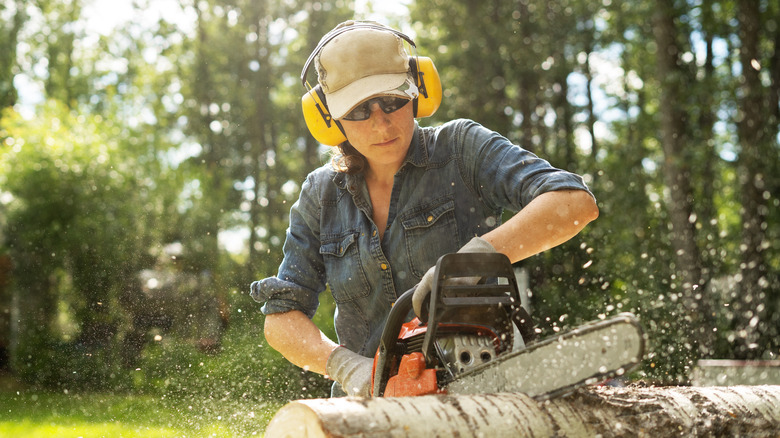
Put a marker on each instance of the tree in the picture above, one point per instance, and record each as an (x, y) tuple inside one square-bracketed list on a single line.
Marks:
[(76, 240), (670, 111), (9, 38), (756, 140), (480, 87), (676, 143), (12, 18)]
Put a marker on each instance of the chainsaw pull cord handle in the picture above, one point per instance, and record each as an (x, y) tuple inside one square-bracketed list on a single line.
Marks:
[(389, 348)]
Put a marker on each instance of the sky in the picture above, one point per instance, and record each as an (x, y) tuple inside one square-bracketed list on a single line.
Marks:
[(104, 15)]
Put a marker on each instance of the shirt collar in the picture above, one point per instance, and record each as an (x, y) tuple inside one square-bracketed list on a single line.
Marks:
[(418, 152)]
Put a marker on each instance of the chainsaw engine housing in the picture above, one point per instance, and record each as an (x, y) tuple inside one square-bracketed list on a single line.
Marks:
[(467, 326)]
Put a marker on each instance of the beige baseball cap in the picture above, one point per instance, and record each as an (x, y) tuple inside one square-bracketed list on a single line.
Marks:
[(361, 63)]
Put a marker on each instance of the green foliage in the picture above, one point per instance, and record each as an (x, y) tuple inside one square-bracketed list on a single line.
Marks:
[(74, 223)]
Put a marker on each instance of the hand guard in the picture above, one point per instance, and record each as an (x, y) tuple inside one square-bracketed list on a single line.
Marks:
[(423, 290)]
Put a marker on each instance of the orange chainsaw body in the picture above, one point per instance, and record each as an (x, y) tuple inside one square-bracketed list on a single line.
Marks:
[(413, 377)]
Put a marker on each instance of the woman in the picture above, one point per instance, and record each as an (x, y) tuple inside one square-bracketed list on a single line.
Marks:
[(371, 224)]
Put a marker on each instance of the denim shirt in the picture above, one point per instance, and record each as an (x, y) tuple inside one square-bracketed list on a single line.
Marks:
[(454, 184)]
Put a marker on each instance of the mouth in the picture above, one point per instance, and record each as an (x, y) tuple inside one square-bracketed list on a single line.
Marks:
[(386, 143)]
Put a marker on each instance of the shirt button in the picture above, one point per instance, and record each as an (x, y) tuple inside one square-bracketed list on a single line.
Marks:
[(383, 266), (430, 218), (374, 233)]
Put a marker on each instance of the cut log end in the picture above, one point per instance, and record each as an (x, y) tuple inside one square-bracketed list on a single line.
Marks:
[(597, 411), (296, 420)]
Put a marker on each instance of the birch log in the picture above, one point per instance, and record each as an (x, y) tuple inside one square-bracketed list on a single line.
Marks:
[(748, 411)]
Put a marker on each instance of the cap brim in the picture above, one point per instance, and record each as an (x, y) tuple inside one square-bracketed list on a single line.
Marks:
[(343, 100)]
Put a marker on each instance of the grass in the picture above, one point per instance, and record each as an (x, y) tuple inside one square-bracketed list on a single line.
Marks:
[(175, 391), (39, 414)]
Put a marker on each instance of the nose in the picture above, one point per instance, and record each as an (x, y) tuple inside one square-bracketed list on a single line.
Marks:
[(377, 115)]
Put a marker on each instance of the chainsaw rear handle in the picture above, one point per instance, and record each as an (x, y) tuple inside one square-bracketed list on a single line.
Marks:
[(467, 264)]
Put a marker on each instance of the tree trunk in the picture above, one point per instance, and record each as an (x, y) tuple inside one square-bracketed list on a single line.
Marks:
[(6, 266), (706, 166), (591, 108), (600, 411), (677, 174), (318, 27), (752, 321), (258, 135), (526, 79), (8, 59)]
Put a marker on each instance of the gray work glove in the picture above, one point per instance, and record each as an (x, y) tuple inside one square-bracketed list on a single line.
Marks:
[(423, 290), (351, 370)]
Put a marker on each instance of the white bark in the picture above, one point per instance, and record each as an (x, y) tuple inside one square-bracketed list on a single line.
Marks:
[(597, 411)]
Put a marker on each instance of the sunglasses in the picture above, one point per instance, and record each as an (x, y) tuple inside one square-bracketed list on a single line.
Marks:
[(389, 104)]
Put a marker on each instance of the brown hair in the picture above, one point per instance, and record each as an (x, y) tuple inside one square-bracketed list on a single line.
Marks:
[(348, 159)]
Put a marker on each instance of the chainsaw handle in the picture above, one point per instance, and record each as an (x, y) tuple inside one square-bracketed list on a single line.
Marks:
[(389, 348), (446, 296)]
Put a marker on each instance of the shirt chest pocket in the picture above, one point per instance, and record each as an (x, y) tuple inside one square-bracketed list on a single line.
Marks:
[(430, 231), (344, 268)]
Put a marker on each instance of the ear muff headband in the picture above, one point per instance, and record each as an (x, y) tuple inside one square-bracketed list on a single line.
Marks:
[(327, 130), (336, 32)]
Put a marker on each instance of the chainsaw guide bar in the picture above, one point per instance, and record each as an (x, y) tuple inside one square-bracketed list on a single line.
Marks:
[(556, 366)]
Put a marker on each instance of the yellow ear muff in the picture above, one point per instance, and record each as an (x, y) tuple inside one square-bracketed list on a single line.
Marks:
[(322, 126), (327, 131), (429, 85)]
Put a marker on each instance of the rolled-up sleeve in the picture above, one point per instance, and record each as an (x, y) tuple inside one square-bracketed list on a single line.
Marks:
[(300, 279), (280, 296)]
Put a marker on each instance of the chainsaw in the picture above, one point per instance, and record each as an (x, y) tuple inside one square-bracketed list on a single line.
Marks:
[(477, 339)]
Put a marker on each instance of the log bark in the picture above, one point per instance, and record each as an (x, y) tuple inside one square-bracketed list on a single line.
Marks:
[(752, 411)]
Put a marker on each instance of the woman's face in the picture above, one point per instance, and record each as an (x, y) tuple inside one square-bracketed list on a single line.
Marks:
[(383, 139)]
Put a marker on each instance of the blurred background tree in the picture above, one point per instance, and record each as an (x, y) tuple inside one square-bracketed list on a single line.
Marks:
[(146, 174), (650, 101)]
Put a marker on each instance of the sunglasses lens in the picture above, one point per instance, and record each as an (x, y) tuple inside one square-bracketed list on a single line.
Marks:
[(387, 103), (360, 112), (392, 104)]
